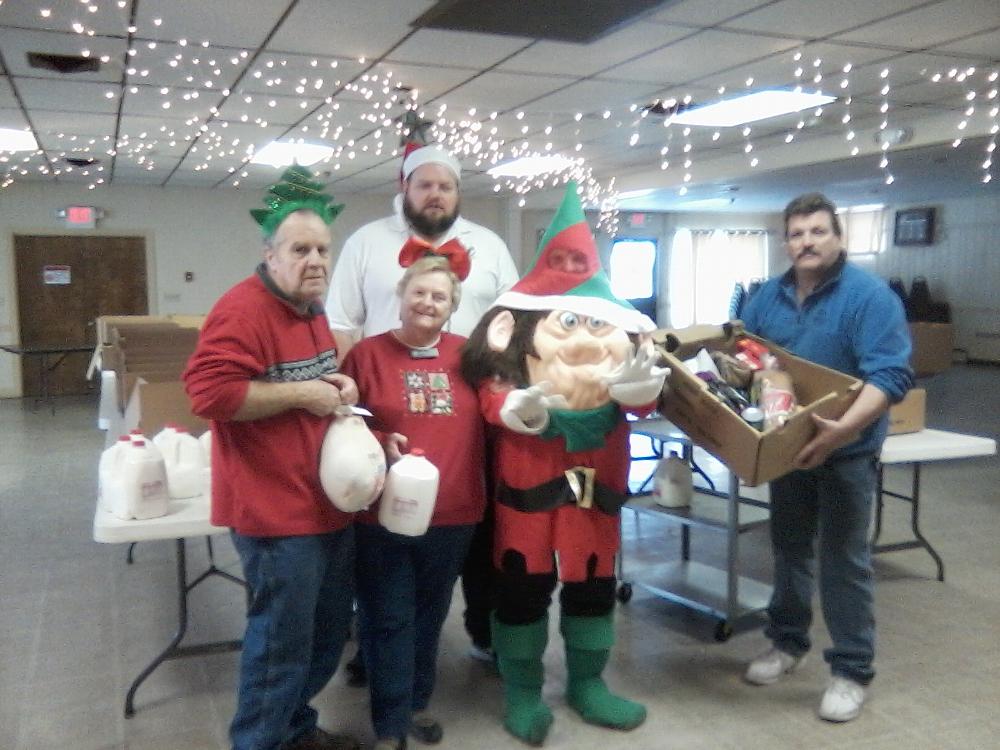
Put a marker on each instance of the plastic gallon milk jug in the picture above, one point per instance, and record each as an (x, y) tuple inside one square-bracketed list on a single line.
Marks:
[(182, 456), (109, 471), (205, 440), (672, 485), (143, 483), (410, 493), (351, 464)]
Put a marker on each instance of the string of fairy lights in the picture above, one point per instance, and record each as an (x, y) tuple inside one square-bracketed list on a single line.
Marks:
[(219, 96)]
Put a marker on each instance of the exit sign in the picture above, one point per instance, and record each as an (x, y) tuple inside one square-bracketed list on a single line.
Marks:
[(81, 217)]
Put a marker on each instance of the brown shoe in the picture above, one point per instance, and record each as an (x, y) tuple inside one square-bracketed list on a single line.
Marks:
[(320, 739)]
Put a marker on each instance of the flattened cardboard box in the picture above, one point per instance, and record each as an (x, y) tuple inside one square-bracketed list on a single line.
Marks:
[(932, 347), (755, 457)]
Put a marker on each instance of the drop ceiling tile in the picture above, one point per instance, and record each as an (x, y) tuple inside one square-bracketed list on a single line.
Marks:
[(562, 58), (325, 28), (7, 100), (985, 45), (428, 46), (166, 64), (16, 44), (800, 17), (79, 124), (595, 96), (109, 19), (223, 22), (700, 13), (931, 26), (501, 91), (699, 57), (68, 96), (430, 81), (11, 117)]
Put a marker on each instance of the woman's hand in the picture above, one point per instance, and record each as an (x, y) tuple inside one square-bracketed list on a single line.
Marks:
[(395, 445), (345, 384)]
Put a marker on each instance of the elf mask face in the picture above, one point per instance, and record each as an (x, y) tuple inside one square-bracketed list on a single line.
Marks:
[(573, 353)]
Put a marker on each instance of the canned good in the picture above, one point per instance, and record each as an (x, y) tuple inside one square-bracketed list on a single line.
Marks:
[(753, 417)]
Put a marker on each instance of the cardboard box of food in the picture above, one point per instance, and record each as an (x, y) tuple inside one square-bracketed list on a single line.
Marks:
[(908, 415), (755, 456), (932, 347)]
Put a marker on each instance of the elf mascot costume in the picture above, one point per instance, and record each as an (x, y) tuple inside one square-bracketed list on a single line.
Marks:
[(557, 360)]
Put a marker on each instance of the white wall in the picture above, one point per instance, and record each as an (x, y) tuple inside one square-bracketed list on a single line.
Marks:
[(208, 232), (962, 268)]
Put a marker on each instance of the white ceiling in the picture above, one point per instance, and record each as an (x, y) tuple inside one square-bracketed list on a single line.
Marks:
[(300, 68)]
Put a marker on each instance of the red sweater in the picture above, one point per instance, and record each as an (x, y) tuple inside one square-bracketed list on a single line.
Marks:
[(265, 472), (427, 400)]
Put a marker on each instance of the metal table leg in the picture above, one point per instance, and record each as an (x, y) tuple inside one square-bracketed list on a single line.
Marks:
[(174, 650), (918, 541)]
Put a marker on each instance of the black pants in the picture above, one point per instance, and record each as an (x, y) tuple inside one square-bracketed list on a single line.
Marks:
[(479, 582)]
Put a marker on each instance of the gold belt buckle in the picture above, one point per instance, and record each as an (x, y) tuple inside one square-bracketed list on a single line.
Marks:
[(584, 491)]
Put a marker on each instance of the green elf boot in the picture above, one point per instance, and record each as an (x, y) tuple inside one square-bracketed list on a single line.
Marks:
[(588, 644), (519, 650)]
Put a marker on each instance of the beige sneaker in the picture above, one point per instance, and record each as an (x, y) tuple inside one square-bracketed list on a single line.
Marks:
[(842, 700), (771, 666)]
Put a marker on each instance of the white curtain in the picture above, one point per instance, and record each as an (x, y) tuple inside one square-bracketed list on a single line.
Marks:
[(705, 266)]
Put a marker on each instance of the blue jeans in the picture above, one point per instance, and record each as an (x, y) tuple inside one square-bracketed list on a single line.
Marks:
[(301, 589), (833, 502), (405, 586)]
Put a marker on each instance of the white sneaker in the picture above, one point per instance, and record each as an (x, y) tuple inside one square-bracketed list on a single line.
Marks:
[(842, 700), (771, 666), (481, 654)]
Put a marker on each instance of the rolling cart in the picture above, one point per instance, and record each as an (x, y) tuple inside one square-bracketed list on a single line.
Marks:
[(720, 593)]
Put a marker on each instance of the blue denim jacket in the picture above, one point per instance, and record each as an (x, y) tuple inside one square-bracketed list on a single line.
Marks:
[(851, 322)]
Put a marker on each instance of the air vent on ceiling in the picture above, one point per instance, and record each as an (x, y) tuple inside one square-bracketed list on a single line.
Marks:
[(557, 20), (666, 108), (81, 161), (63, 63)]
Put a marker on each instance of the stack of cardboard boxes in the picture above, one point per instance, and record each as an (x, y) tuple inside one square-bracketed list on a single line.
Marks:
[(147, 355)]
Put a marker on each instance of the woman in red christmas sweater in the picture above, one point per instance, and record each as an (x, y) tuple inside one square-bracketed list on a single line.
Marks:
[(409, 378)]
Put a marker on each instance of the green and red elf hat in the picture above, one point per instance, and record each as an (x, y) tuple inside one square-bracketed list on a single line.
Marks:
[(567, 274)]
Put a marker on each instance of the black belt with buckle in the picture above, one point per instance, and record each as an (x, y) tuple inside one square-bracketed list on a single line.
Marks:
[(575, 487)]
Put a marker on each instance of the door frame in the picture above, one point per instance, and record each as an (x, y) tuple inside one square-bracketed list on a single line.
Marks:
[(11, 333)]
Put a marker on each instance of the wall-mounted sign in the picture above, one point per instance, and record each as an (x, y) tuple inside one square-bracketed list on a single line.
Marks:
[(80, 217), (57, 275)]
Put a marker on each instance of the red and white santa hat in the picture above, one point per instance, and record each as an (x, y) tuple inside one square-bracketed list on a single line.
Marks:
[(421, 155)]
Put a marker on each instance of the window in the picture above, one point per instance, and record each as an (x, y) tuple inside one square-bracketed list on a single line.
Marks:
[(864, 229), (705, 266), (631, 271)]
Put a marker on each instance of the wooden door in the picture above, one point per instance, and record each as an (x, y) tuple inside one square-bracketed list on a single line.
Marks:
[(63, 285)]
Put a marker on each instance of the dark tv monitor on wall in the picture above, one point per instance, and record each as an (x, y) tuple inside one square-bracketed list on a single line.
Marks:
[(914, 226)]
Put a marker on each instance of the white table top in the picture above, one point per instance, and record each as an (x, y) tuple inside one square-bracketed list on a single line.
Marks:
[(185, 518), (935, 445), (659, 429)]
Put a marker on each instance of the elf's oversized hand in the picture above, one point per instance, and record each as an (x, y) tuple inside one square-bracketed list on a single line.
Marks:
[(526, 410), (638, 380)]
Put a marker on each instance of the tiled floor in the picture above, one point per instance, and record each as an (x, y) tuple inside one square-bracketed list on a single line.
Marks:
[(77, 623)]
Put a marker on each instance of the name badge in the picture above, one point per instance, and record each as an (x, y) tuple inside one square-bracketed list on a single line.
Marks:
[(429, 353)]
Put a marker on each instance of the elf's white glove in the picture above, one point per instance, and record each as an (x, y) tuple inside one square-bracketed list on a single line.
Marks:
[(637, 381), (526, 410)]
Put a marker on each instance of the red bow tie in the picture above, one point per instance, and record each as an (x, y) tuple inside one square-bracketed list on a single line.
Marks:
[(452, 250)]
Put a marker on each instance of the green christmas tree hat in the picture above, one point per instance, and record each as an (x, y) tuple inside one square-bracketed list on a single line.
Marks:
[(567, 274), (296, 192)]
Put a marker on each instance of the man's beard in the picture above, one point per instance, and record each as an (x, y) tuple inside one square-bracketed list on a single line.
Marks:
[(425, 226)]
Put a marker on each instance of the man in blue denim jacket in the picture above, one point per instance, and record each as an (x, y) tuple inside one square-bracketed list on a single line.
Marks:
[(836, 314)]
